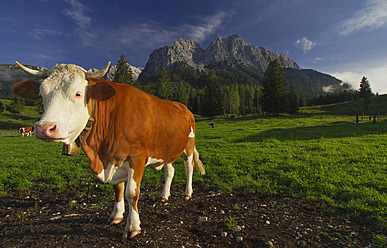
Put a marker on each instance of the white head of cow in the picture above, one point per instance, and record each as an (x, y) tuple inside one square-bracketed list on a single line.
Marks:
[(64, 97)]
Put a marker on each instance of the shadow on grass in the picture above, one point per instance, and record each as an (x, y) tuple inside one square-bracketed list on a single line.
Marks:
[(340, 129)]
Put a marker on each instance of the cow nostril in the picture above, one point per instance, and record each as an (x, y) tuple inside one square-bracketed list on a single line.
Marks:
[(52, 129)]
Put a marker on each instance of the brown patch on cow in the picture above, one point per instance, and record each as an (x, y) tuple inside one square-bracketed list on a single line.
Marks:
[(27, 89), (134, 123), (100, 90), (119, 190)]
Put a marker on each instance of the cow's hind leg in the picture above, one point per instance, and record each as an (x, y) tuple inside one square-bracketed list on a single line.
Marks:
[(188, 165), (119, 206), (169, 173), (191, 156)]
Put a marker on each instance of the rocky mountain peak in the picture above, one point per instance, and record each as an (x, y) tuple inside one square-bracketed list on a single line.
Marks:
[(188, 51), (232, 50)]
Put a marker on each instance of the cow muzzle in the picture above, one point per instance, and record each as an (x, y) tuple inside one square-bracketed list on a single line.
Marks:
[(48, 132)]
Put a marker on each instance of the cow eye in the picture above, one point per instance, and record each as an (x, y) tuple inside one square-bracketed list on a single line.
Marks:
[(78, 94)]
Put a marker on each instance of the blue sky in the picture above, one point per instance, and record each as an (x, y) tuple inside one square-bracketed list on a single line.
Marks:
[(345, 38)]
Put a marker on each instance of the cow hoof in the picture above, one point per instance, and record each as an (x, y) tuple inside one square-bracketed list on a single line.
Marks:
[(123, 239), (134, 233), (164, 199), (187, 197), (115, 221)]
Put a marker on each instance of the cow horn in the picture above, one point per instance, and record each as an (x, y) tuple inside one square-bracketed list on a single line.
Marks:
[(98, 74), (36, 73)]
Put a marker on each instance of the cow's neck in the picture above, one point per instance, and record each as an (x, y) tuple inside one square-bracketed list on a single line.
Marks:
[(89, 123)]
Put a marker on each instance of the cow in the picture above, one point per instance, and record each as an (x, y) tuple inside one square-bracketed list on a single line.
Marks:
[(28, 131), (211, 124), (120, 128)]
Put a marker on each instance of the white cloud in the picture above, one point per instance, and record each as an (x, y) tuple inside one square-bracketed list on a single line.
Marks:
[(77, 13), (208, 26), (372, 16), (153, 33), (376, 75), (305, 44), (350, 78), (83, 22), (41, 33), (316, 60), (148, 34)]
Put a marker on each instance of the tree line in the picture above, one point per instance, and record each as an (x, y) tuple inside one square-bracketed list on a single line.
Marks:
[(273, 97)]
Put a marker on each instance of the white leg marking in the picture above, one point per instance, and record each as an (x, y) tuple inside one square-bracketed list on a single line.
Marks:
[(188, 164), (118, 210), (133, 220), (191, 134), (155, 163), (169, 173), (107, 174)]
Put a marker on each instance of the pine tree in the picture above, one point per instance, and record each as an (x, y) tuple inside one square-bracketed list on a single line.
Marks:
[(17, 105), (302, 101), (163, 90), (124, 72), (365, 93), (293, 101), (275, 95), (257, 101), (211, 104), (234, 100), (182, 93), (2, 107), (39, 106)]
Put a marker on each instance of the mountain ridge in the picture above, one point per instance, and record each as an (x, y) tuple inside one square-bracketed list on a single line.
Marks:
[(232, 49)]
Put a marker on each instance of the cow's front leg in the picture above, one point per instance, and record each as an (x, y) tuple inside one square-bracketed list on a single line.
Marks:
[(132, 194), (169, 173), (119, 206)]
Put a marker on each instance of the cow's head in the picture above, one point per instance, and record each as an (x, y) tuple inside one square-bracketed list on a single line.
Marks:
[(65, 93)]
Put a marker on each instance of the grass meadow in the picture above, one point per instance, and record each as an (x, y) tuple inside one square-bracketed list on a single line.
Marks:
[(319, 154)]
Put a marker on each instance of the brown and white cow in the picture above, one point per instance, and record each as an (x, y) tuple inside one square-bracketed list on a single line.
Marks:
[(126, 130), (27, 131)]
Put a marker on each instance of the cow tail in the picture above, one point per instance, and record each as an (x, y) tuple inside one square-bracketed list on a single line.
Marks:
[(198, 163)]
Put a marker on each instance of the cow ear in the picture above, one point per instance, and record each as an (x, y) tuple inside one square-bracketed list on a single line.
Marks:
[(27, 89), (100, 91)]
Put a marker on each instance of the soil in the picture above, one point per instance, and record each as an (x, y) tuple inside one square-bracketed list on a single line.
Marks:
[(43, 218)]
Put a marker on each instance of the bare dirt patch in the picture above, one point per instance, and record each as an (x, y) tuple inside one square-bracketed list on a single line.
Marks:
[(49, 219)]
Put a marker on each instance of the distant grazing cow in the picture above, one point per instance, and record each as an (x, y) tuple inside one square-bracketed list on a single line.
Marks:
[(211, 124), (27, 131), (120, 128)]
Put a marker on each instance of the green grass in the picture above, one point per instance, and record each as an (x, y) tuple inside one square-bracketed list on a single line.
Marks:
[(320, 154)]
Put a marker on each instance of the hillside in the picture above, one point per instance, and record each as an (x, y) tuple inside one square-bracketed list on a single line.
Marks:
[(234, 62), (378, 106), (11, 74)]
